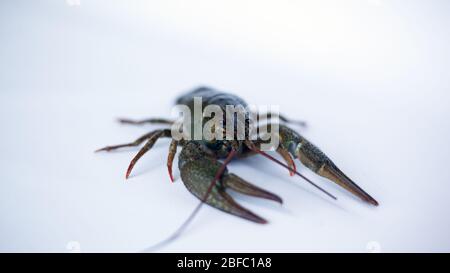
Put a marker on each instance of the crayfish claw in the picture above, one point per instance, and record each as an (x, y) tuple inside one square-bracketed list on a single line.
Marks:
[(238, 184), (330, 171), (197, 175), (315, 160), (228, 204), (198, 169)]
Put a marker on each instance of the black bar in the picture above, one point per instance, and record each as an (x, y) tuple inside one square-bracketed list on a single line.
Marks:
[(223, 262)]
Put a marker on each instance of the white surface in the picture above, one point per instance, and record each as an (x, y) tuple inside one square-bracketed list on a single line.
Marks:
[(371, 78)]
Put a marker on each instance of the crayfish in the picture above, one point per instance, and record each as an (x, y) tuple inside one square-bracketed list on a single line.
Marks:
[(206, 177)]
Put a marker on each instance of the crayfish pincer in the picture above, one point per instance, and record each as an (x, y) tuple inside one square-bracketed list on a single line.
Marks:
[(218, 133)]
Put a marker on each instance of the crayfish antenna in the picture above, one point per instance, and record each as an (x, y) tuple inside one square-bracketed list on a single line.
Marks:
[(185, 224), (177, 233)]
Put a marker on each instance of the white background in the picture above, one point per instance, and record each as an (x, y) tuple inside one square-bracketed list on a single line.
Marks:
[(370, 77)]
